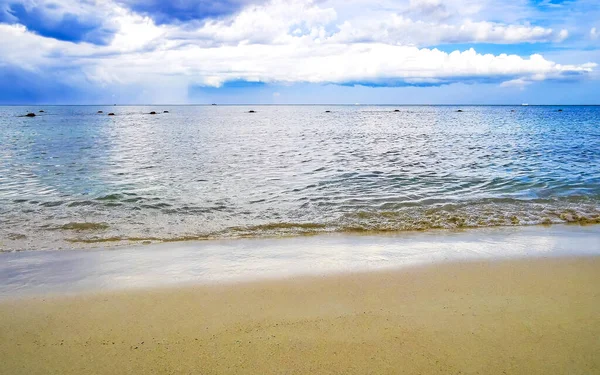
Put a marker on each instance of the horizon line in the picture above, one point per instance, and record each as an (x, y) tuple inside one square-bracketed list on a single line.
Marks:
[(298, 104)]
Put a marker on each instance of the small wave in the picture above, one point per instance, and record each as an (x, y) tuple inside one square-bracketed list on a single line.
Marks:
[(263, 230), (156, 206), (452, 216), (97, 240), (360, 222), (110, 197), (52, 204), (80, 203), (84, 226), (16, 236), (133, 200), (279, 226)]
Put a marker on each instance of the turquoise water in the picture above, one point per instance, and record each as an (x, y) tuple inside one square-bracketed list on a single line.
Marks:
[(73, 178)]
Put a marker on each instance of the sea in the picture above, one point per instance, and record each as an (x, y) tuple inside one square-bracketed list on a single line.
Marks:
[(73, 177)]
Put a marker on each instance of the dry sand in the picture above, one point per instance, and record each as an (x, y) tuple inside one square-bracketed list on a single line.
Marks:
[(536, 316)]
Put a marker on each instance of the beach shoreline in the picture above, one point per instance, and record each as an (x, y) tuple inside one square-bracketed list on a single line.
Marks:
[(40, 273), (519, 316)]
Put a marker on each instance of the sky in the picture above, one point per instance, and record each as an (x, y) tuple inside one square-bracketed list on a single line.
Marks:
[(299, 52)]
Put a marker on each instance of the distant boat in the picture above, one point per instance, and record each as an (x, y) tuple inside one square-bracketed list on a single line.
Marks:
[(214, 104), (524, 104)]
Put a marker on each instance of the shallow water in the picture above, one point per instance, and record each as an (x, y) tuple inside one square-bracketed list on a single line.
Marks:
[(71, 178), (158, 265)]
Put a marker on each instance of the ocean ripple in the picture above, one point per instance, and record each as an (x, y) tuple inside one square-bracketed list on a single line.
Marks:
[(76, 179)]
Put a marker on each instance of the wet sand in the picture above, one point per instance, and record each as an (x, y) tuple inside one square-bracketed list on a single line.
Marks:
[(532, 316)]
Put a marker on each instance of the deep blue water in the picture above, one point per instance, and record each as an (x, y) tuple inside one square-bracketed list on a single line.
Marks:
[(71, 177)]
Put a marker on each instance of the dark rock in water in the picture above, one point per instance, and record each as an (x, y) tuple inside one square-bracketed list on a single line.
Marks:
[(512, 110), (396, 110), (327, 111), (30, 114), (165, 111), (111, 114), (152, 113), (100, 112), (41, 111), (560, 110), (251, 111), (460, 110)]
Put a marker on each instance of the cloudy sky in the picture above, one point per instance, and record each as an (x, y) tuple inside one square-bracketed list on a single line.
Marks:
[(300, 51)]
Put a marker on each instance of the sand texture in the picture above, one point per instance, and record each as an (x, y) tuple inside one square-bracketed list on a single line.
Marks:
[(536, 316)]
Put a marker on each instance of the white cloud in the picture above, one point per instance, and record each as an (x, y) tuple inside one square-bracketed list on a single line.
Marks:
[(594, 33), (280, 21), (564, 34), (400, 30), (299, 62), (433, 9), (519, 83), (270, 24), (296, 41), (134, 31)]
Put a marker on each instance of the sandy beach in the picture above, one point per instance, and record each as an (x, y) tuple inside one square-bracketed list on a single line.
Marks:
[(271, 187), (532, 316)]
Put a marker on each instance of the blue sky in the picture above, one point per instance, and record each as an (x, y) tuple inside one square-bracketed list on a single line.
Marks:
[(299, 51)]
